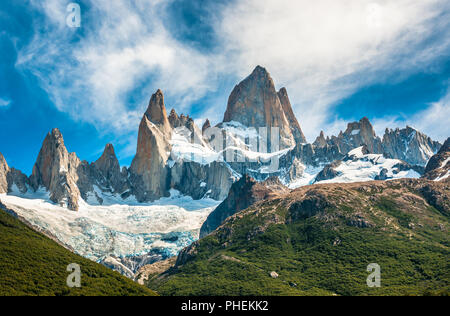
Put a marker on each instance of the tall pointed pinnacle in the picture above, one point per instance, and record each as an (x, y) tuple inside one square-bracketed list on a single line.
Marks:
[(289, 112), (108, 162), (156, 111), (149, 172), (255, 103), (4, 170), (206, 125), (56, 170)]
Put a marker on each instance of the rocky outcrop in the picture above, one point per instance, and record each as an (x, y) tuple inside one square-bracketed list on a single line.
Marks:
[(292, 120), (4, 170), (438, 168), (409, 145), (329, 172), (320, 141), (242, 195), (149, 171), (56, 170), (255, 103), (358, 134), (108, 174), (206, 125), (18, 181), (198, 181)]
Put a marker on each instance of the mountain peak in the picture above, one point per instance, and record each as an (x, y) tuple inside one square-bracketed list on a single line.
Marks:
[(156, 111), (206, 125), (55, 169), (260, 71), (108, 152), (4, 169), (255, 103), (363, 127), (2, 160), (292, 120)]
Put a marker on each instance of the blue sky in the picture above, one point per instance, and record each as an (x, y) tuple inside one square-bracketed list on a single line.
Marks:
[(340, 60)]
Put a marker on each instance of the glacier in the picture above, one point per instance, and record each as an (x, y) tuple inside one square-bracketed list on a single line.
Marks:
[(133, 235)]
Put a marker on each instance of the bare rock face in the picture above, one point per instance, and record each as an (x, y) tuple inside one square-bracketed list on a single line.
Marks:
[(149, 171), (174, 119), (4, 170), (329, 172), (438, 168), (18, 180), (321, 141), (287, 108), (206, 125), (56, 170), (107, 171), (409, 145), (255, 103), (359, 134), (198, 181), (244, 193)]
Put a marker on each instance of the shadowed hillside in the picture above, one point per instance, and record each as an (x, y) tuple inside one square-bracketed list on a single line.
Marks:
[(32, 264)]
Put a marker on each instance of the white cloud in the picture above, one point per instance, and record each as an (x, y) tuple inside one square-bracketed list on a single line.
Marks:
[(322, 51), (126, 48), (4, 102)]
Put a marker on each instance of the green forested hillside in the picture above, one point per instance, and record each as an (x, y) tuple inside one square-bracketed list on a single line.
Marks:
[(320, 240), (32, 264)]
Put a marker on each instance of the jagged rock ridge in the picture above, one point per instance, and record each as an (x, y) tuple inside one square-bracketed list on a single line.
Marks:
[(255, 103), (438, 168), (157, 167)]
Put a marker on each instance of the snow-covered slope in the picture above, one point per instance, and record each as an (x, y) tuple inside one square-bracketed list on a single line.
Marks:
[(360, 167), (117, 231)]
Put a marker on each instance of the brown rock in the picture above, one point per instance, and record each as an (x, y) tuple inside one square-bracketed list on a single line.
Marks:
[(255, 103), (56, 170), (287, 108), (206, 125), (149, 172), (4, 170)]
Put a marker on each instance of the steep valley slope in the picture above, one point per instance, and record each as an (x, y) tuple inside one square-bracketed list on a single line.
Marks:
[(34, 265), (319, 240)]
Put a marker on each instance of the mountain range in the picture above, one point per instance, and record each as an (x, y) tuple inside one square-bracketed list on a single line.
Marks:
[(259, 127), (248, 199)]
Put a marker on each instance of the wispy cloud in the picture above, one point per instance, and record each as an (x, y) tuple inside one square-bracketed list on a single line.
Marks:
[(127, 47), (4, 102), (324, 50), (321, 50), (433, 120)]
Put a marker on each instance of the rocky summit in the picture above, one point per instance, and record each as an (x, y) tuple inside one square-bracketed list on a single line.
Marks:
[(173, 153), (4, 170), (255, 103), (438, 168)]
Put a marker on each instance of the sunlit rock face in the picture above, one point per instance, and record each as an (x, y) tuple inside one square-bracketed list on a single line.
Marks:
[(296, 130), (4, 169), (256, 103), (149, 171), (56, 170)]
